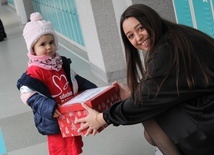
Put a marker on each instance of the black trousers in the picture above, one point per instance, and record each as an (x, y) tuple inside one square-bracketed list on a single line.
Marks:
[(193, 133)]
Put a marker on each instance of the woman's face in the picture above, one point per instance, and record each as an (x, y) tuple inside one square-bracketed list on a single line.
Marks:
[(136, 34), (45, 46)]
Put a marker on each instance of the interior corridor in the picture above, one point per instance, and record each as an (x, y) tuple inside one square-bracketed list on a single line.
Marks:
[(18, 135)]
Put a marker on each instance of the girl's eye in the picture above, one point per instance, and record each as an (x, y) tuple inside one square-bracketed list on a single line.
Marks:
[(52, 42), (42, 44)]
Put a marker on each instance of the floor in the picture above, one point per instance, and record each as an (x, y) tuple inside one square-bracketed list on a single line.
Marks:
[(18, 136)]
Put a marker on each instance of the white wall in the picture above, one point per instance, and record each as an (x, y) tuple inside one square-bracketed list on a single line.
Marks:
[(119, 7), (89, 32), (101, 37), (23, 8)]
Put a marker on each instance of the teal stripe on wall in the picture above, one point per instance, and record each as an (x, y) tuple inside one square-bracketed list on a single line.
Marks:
[(11, 2), (202, 14), (2, 145), (64, 17), (183, 12)]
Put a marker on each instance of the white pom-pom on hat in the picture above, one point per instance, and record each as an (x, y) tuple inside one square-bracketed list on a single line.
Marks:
[(36, 16), (35, 29)]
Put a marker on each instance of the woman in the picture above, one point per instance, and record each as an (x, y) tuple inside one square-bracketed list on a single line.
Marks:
[(173, 94)]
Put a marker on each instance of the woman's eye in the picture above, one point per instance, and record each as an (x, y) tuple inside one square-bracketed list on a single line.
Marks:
[(130, 36), (141, 28)]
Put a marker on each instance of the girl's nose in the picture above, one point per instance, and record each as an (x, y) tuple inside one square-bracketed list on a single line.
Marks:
[(48, 47)]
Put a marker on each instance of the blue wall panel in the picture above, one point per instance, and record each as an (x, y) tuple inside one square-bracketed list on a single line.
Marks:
[(11, 2), (196, 13), (2, 144), (64, 17), (204, 16), (182, 9)]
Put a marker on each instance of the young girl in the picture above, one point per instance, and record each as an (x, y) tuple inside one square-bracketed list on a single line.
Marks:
[(49, 82), (173, 95)]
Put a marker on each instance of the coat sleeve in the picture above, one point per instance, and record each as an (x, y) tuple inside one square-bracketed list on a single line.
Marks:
[(154, 104), (83, 83), (40, 101), (26, 93), (127, 112), (43, 109), (42, 105)]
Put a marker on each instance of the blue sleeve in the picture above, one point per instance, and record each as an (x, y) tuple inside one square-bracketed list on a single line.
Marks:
[(42, 105), (83, 83)]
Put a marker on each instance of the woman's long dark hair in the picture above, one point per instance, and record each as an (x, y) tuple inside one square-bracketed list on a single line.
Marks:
[(178, 35)]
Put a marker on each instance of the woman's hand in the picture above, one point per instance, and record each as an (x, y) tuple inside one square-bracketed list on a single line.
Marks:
[(123, 90), (93, 121)]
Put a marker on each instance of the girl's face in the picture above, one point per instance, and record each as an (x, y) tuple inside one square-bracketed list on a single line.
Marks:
[(45, 46), (136, 34)]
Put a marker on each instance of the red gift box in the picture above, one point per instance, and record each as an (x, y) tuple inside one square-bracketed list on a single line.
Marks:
[(96, 98)]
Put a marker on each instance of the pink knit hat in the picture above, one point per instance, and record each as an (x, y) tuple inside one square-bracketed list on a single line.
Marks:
[(35, 29)]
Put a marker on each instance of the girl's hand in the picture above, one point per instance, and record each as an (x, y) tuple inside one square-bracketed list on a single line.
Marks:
[(56, 114), (123, 90), (93, 121)]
